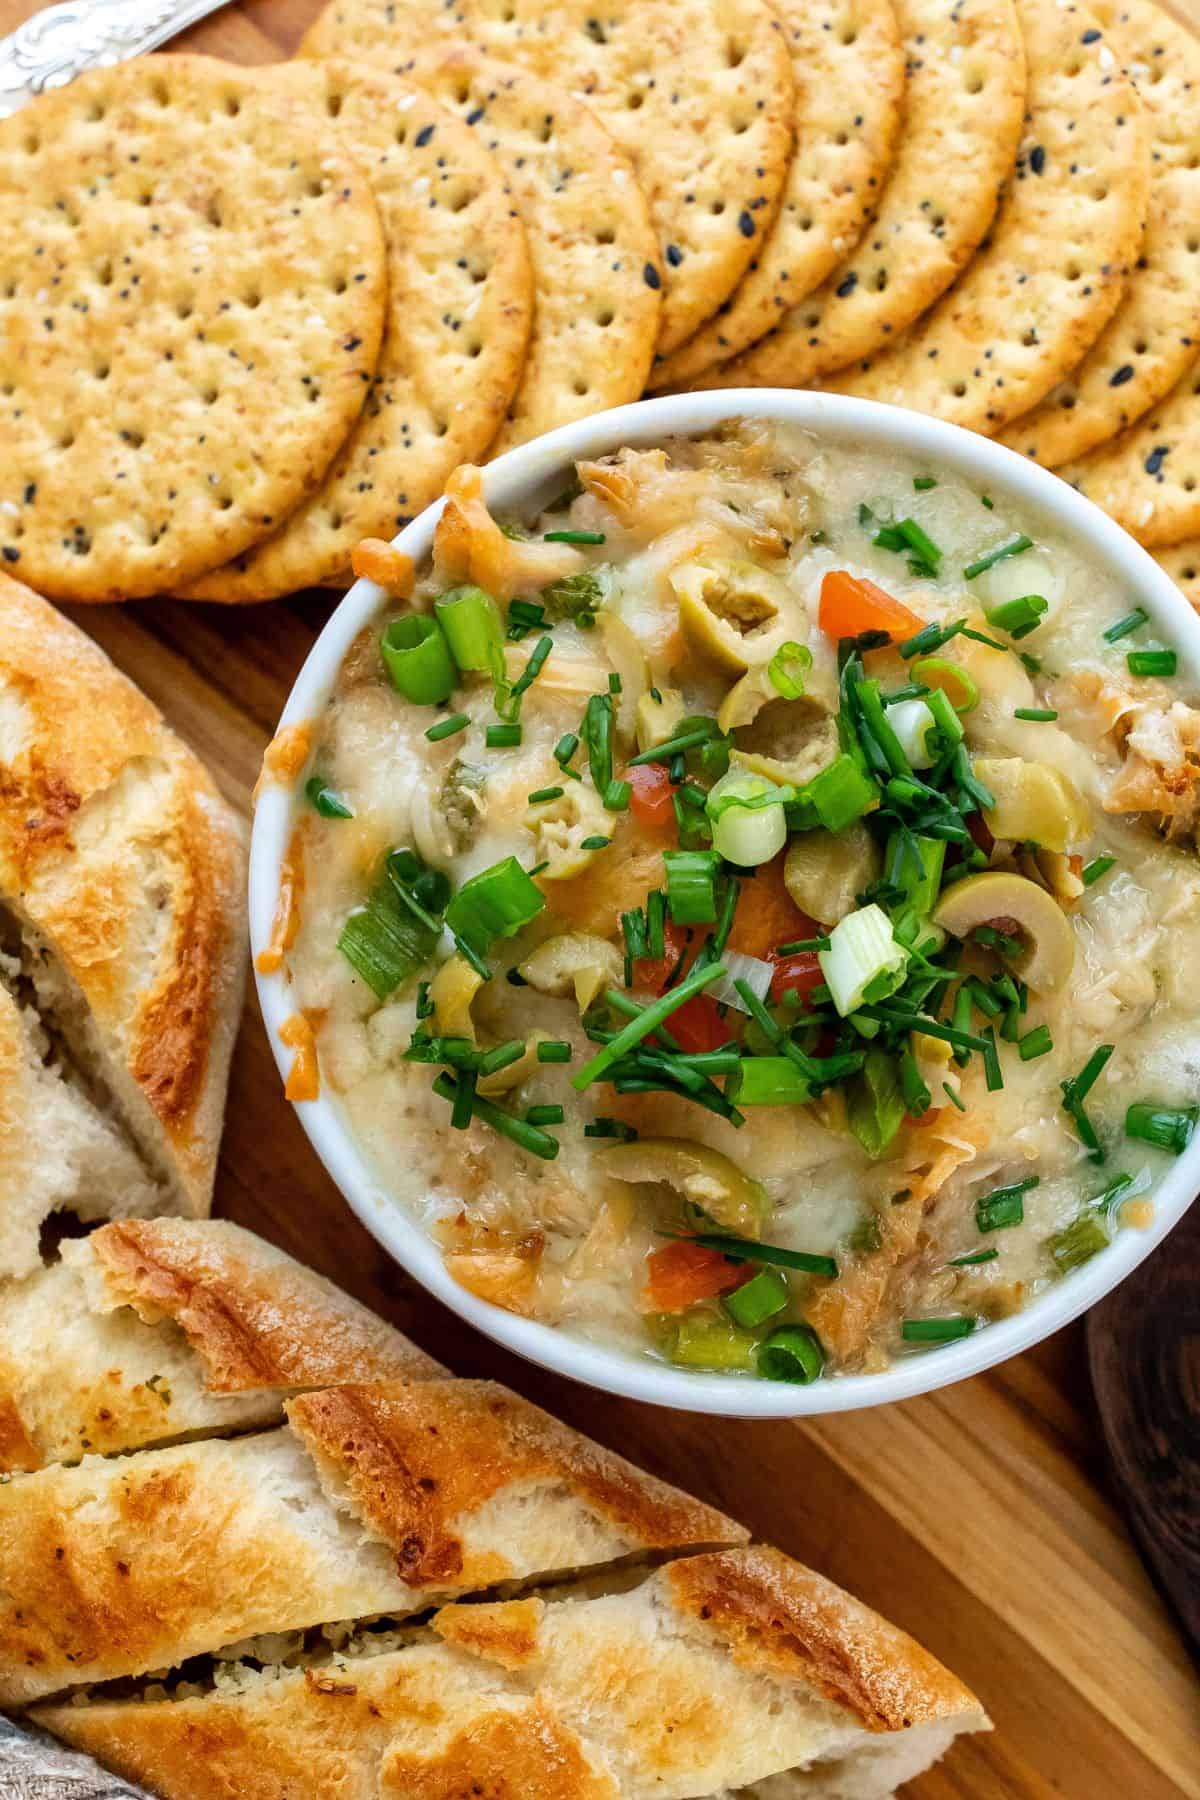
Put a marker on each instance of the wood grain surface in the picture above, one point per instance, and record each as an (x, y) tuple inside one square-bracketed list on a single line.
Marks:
[(980, 1518)]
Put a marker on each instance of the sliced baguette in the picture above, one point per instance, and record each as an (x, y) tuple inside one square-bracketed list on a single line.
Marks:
[(386, 1498), (737, 1672), (122, 877), (151, 1331)]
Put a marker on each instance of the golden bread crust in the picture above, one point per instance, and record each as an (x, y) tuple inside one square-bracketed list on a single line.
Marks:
[(419, 1462), (118, 852)]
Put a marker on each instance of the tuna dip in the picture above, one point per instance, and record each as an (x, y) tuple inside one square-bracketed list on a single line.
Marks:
[(743, 905)]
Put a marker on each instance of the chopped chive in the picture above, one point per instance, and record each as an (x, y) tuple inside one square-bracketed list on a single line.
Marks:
[(802, 944), (595, 843), (532, 669), (922, 483), (573, 537), (952, 1096), (1082, 1084), (1032, 663), (464, 1100), (448, 727), (502, 737), (604, 1127), (545, 1115), (502, 1057), (541, 794), (936, 1331), (990, 558), (1099, 865), (1131, 621), (614, 682), (677, 745), (518, 1131), (749, 1250), (617, 795), (931, 637), (1152, 662), (978, 1256), (553, 1050), (645, 1024), (1004, 1206), (1037, 1042), (565, 749), (1075, 1092), (986, 500), (597, 733), (326, 800), (656, 916), (1167, 1127), (1037, 715)]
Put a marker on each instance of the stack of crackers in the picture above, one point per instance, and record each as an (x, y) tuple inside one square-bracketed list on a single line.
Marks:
[(253, 316)]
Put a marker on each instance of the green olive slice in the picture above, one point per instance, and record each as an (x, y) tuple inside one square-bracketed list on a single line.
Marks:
[(705, 1177), (982, 899)]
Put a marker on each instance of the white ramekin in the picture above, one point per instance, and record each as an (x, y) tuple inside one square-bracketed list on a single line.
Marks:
[(856, 424)]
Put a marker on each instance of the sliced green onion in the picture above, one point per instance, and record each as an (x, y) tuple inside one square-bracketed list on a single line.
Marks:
[(978, 1256), (573, 537), (989, 559), (1131, 621), (1078, 1242), (647, 1022), (1167, 1127), (793, 1353), (1018, 617), (473, 627), (1152, 662), (1099, 865), (1037, 715), (518, 1131), (841, 793), (446, 728), (327, 801), (502, 737), (936, 1331), (417, 658), (691, 886), (496, 903), (597, 734), (788, 668), (553, 1050), (1035, 1043), (385, 942), (913, 864), (617, 795), (1004, 1206), (913, 721), (875, 1103), (749, 825), (706, 1343), (768, 1081), (862, 947), (949, 678), (757, 1300)]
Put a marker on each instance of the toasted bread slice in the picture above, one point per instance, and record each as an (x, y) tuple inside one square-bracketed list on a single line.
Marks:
[(737, 1672), (377, 1499), (122, 877), (154, 1330)]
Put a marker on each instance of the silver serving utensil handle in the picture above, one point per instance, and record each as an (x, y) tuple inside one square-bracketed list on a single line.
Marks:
[(60, 42)]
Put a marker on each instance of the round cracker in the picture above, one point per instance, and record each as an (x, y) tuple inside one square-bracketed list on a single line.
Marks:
[(1182, 564), (460, 305), (963, 109), (1152, 337), (849, 69), (698, 93), (1149, 477), (191, 302), (1052, 273), (596, 269)]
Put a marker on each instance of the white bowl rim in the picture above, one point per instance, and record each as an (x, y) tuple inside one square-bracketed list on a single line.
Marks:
[(631, 1374)]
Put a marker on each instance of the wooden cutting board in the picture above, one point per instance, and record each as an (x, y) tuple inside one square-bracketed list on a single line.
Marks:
[(981, 1518)]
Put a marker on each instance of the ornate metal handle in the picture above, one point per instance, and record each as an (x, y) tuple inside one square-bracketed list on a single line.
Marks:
[(62, 41)]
